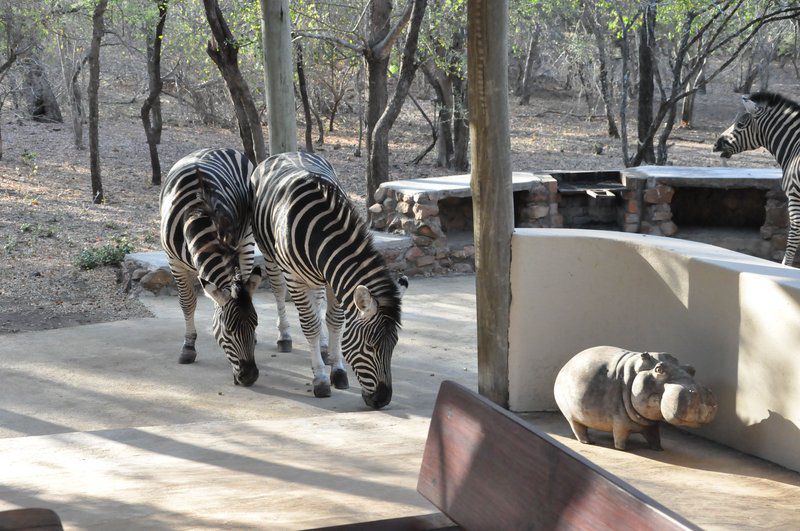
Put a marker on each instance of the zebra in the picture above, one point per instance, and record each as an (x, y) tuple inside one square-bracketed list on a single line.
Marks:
[(312, 236), (206, 231), (771, 121)]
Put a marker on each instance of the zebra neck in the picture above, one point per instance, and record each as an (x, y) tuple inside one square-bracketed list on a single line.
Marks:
[(371, 273), (781, 134)]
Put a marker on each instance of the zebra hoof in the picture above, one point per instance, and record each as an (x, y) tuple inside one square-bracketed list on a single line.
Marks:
[(339, 379), (284, 345), (322, 388), (188, 355), (324, 352)]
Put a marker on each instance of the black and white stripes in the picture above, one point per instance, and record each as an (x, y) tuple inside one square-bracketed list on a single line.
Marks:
[(206, 232), (309, 231), (773, 122)]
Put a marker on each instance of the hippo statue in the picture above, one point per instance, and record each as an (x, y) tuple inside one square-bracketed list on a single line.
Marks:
[(620, 391)]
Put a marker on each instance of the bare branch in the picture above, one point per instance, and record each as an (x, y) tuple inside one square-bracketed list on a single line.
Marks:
[(382, 49)]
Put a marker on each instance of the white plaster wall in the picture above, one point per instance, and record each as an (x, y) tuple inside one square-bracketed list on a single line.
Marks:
[(734, 317)]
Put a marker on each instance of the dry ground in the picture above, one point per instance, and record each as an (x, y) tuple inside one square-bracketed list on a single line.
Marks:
[(47, 218)]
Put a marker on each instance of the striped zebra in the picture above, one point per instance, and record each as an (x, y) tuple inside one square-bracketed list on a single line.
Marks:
[(312, 236), (206, 232), (773, 122)]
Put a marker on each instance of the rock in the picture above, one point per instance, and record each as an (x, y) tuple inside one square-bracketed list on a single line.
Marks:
[(431, 228), (668, 229), (422, 210), (462, 267), (632, 206), (426, 260), (660, 212), (632, 218), (631, 227), (540, 211), (390, 204), (660, 194), (138, 274), (469, 250), (154, 281), (377, 208), (767, 231), (414, 252), (421, 241), (380, 194), (404, 207)]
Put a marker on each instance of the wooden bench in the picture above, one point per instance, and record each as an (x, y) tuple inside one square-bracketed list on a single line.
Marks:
[(30, 519), (486, 468)]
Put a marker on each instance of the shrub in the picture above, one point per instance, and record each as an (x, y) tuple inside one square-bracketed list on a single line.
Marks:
[(108, 254)]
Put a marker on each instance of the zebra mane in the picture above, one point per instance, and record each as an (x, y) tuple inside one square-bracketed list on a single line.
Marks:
[(383, 288), (773, 99)]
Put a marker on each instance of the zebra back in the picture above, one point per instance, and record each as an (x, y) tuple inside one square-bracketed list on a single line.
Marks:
[(305, 221), (205, 215)]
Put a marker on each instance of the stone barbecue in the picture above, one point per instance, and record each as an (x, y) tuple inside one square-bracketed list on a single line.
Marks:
[(740, 209)]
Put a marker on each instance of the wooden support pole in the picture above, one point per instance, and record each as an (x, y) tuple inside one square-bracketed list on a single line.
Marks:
[(492, 197), (279, 75)]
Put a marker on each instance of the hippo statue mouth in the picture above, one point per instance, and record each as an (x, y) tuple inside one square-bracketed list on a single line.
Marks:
[(690, 407)]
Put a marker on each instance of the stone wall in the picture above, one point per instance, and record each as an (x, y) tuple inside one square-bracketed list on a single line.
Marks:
[(440, 225)]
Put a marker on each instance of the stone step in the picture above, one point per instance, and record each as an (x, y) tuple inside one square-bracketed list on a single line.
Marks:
[(149, 271)]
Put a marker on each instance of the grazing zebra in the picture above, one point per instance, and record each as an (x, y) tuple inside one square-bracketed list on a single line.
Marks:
[(206, 232), (309, 231), (773, 122)]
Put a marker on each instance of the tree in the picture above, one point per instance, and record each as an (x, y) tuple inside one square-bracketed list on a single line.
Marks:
[(303, 88), (151, 108), (278, 69), (378, 171), (223, 49), (647, 44), (94, 87)]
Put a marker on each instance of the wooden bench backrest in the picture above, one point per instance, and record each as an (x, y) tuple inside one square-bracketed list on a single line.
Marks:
[(487, 469)]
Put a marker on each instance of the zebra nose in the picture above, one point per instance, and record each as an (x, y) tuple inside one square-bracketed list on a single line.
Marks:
[(380, 398), (247, 376), (718, 144)]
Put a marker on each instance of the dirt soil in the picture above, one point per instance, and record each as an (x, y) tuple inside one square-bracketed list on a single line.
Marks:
[(47, 217)]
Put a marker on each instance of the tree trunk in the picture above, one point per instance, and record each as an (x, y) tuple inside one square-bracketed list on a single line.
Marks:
[(360, 95), (94, 86), (646, 83), (444, 117), (408, 68), (377, 94), (276, 36), (301, 81), (532, 63), (77, 105), (223, 49), (606, 88), (460, 111), (41, 101), (151, 108), (492, 198)]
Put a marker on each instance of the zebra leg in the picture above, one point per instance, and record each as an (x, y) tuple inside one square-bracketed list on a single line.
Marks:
[(321, 307), (309, 322), (793, 238), (334, 317), (184, 279), (278, 286)]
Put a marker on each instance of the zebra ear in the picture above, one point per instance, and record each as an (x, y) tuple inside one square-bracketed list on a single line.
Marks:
[(365, 302), (402, 285), (254, 281), (220, 297), (749, 105)]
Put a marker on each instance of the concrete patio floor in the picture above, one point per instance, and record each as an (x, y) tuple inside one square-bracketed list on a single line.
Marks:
[(101, 424)]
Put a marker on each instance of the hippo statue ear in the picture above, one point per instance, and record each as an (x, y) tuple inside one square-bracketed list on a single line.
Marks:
[(646, 356), (689, 369)]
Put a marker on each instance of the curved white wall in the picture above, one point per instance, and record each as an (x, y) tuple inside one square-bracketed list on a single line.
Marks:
[(734, 317)]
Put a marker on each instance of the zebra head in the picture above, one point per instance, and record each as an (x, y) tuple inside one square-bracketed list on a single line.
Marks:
[(745, 133), (370, 336), (234, 324)]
